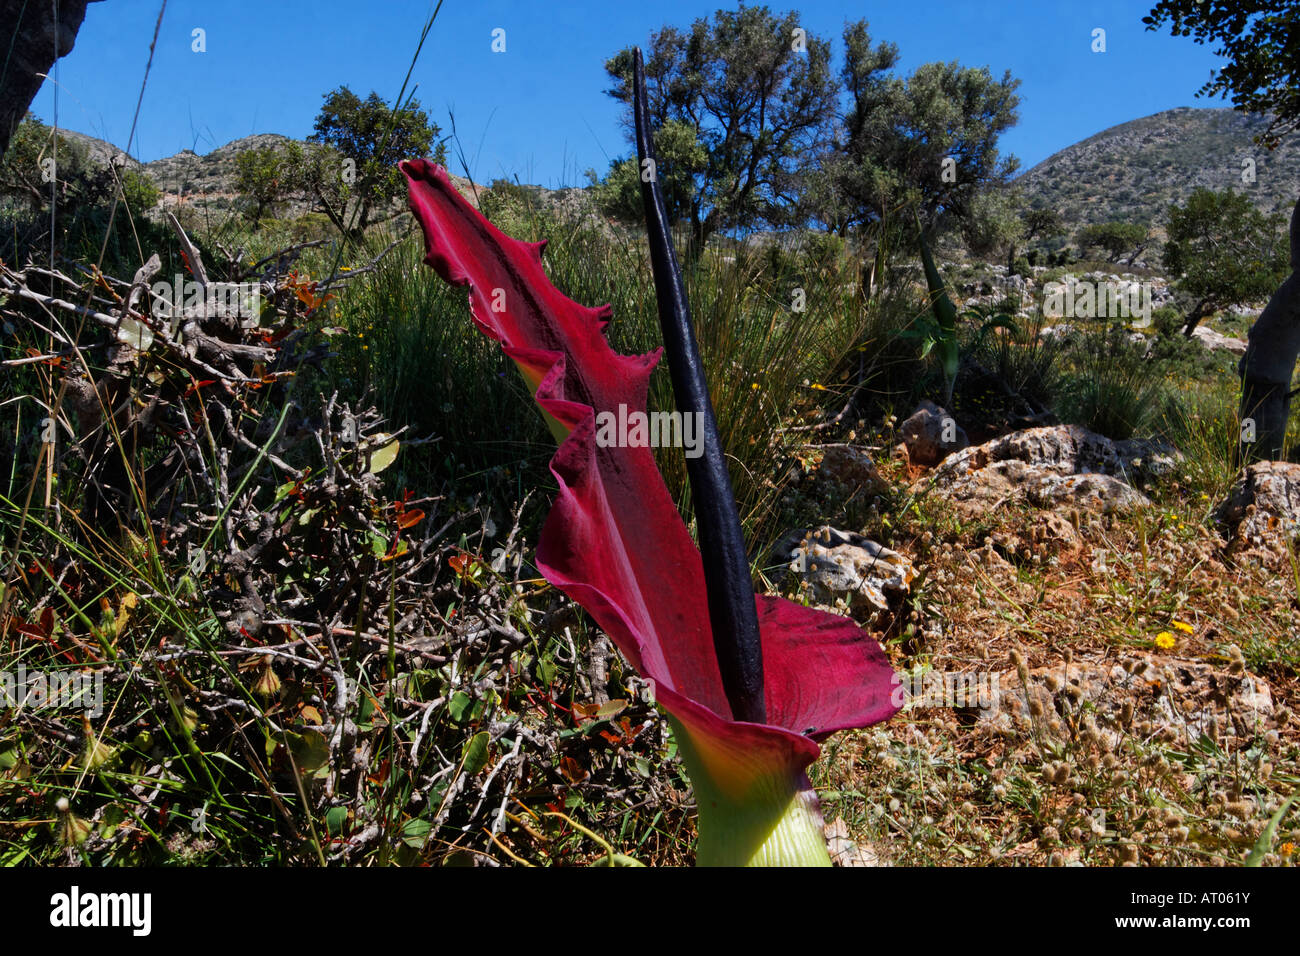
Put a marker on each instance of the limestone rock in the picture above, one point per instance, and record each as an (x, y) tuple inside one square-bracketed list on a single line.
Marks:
[(1216, 341), (931, 434), (841, 564), (1146, 458), (848, 465), (1263, 513), (1050, 466)]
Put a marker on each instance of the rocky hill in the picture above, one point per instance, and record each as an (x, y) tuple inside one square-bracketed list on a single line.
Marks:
[(210, 175), (1133, 171), (213, 173)]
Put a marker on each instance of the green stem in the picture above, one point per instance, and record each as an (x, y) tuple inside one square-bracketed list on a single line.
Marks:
[(772, 820)]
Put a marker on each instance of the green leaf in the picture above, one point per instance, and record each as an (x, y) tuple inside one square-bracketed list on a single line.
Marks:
[(310, 750), (475, 752), (1265, 841), (460, 706), (611, 708), (336, 821), (415, 832), (132, 333), (383, 456)]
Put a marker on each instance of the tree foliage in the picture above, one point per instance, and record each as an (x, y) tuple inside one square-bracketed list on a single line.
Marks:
[(42, 168), (1261, 41), (1117, 240), (995, 224), (367, 139), (1042, 223), (928, 141), (263, 176), (1225, 250), (752, 102), (755, 128), (681, 158)]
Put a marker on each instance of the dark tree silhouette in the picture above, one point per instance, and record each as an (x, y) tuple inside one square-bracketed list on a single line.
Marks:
[(29, 37)]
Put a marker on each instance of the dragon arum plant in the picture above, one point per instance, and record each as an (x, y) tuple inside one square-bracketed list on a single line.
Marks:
[(940, 332), (750, 685)]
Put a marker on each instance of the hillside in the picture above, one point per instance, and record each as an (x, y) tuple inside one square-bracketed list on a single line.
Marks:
[(1135, 170), (1130, 172), (210, 175)]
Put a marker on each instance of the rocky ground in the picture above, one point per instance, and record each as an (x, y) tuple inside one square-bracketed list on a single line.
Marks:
[(1101, 668)]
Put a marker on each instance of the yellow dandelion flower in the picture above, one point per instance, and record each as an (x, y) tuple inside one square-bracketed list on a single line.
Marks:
[(1184, 627), (1164, 640)]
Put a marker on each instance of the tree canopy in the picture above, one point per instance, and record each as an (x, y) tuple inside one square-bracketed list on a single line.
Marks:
[(758, 95), (754, 127), (1117, 239), (1260, 39), (928, 141), (369, 137), (1225, 250)]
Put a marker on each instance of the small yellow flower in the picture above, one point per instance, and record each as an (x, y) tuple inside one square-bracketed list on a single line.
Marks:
[(819, 387), (1184, 627), (754, 386), (1164, 640), (1287, 848)]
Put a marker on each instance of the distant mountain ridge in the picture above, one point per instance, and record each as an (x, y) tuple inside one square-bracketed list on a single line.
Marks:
[(1133, 171)]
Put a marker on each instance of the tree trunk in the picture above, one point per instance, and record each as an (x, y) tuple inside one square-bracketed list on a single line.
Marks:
[(1266, 369), (29, 36), (1194, 317)]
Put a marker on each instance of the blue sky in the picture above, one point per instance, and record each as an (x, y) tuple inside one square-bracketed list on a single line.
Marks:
[(538, 110)]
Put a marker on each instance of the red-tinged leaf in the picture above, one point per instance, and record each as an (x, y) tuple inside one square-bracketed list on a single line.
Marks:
[(585, 712), (408, 519), (574, 771), (614, 541)]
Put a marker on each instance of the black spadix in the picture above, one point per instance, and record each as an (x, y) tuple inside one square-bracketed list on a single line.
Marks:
[(732, 613)]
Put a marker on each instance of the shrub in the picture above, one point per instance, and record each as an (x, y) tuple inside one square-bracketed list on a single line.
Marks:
[(1111, 388)]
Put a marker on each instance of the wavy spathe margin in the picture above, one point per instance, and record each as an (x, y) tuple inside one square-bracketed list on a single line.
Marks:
[(615, 543)]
